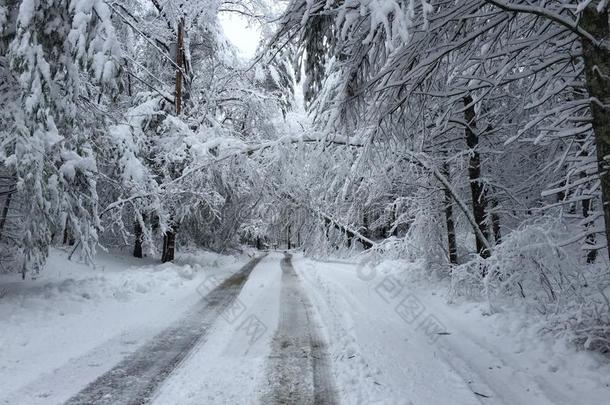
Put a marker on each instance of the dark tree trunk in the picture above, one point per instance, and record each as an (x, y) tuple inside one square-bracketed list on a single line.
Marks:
[(587, 205), (590, 239), (4, 214), (393, 225), (479, 201), (289, 244), (495, 223), (597, 75), (139, 237), (169, 245), (68, 234), (451, 240), (179, 60)]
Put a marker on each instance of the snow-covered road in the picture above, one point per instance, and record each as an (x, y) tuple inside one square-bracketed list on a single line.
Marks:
[(394, 340), (298, 369), (289, 330), (136, 378), (271, 353)]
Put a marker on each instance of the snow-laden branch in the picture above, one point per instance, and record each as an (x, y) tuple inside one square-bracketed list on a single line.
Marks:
[(546, 13), (146, 38), (249, 149), (244, 149), (422, 160), (352, 233), (304, 138)]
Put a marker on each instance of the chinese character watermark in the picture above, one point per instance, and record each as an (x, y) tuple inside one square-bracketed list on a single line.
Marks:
[(406, 304), (236, 313)]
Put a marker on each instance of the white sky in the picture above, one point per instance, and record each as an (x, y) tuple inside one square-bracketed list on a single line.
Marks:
[(244, 35)]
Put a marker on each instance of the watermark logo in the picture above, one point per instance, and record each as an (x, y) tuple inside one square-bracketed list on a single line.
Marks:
[(405, 303), (253, 327), (208, 285), (236, 313), (410, 309), (432, 328), (389, 289)]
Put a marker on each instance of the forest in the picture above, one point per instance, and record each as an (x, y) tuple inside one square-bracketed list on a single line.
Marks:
[(471, 137)]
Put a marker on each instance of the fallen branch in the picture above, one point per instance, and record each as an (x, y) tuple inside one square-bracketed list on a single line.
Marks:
[(352, 233)]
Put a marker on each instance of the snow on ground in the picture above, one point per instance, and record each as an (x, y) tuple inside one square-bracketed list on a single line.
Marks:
[(74, 322), (229, 368), (391, 338), (396, 341)]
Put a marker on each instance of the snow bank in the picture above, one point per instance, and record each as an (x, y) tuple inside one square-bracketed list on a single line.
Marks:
[(534, 267), (395, 338), (100, 314)]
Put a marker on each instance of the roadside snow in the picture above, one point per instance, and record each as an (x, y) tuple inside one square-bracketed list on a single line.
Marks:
[(394, 340), (74, 322)]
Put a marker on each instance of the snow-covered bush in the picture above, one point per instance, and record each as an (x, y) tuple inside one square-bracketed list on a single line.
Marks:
[(536, 265)]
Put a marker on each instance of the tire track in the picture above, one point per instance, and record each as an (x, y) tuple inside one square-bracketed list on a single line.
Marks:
[(136, 378), (299, 365)]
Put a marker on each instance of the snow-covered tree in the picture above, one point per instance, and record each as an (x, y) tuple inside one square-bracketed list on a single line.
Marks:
[(59, 55)]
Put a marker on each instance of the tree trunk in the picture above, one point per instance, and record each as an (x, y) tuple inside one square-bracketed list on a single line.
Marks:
[(4, 214), (479, 200), (68, 234), (169, 245), (587, 205), (590, 238), (495, 223), (288, 239), (139, 237), (169, 239), (451, 240), (597, 75), (327, 224), (393, 225), (179, 60)]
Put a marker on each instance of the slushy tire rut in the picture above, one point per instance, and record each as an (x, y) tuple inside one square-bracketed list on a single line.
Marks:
[(136, 379), (299, 366)]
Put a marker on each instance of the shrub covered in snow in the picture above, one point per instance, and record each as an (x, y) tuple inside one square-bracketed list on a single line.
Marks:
[(534, 265)]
